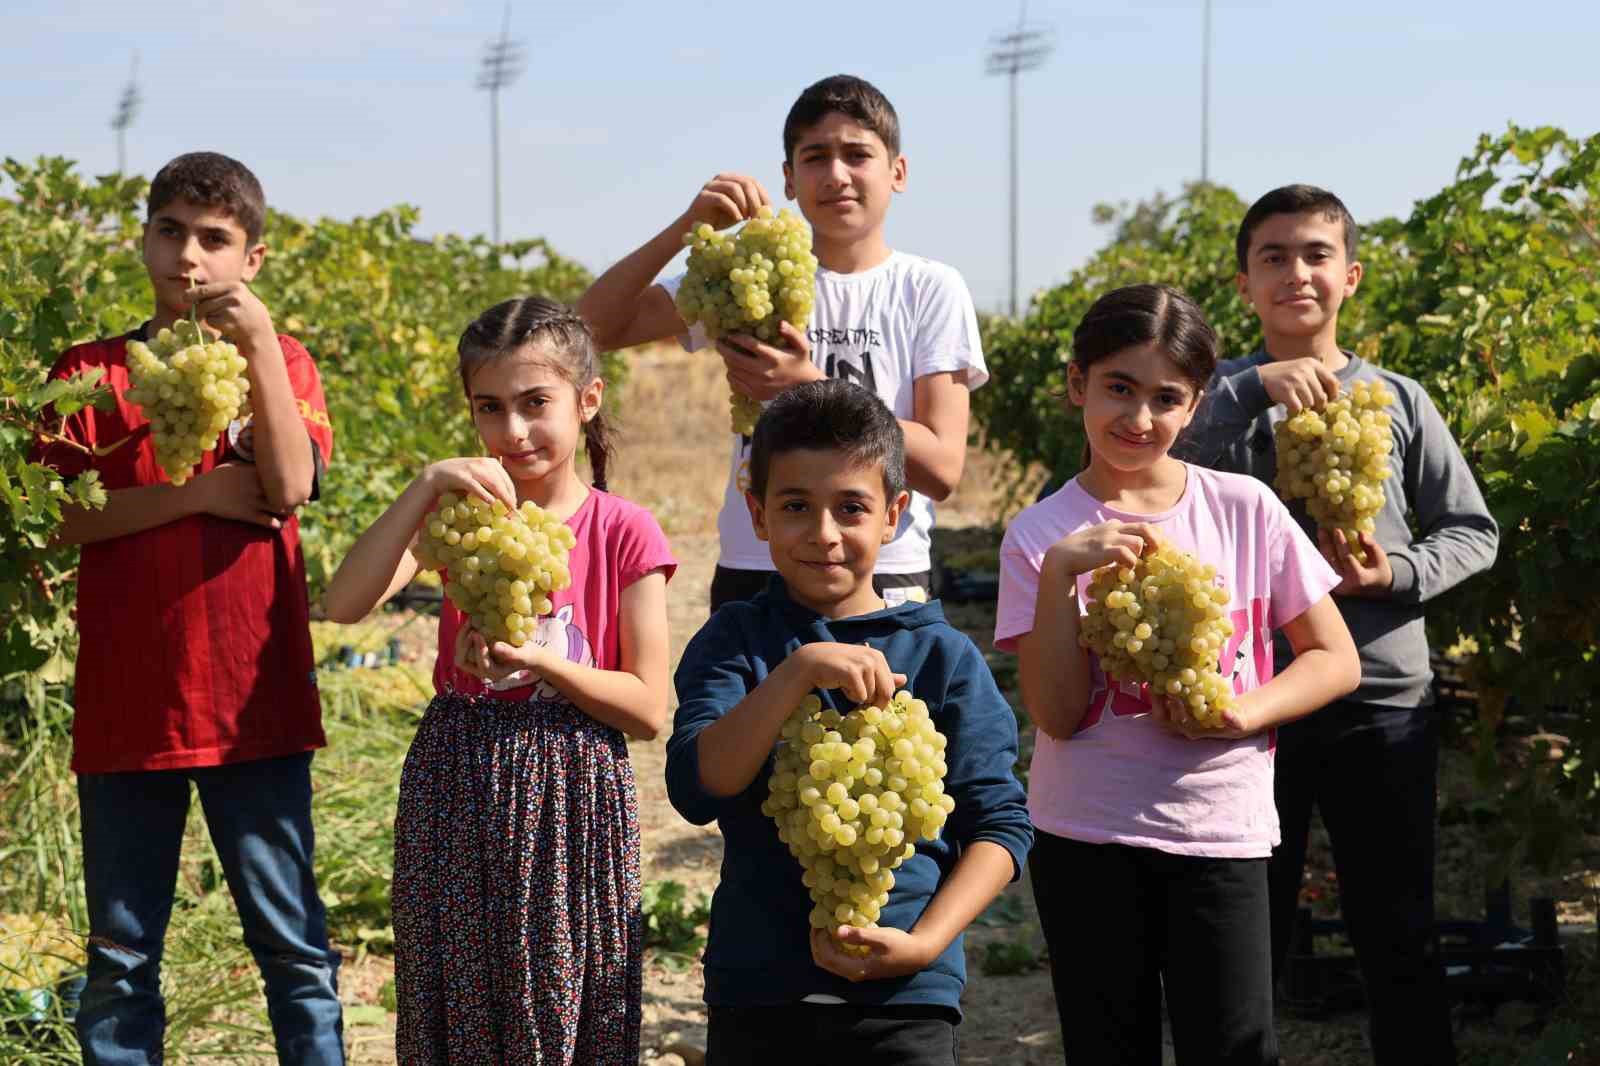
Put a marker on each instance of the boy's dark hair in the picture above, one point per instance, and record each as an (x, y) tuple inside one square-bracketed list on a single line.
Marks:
[(853, 97), (211, 179), (1148, 314), (557, 331), (1294, 200), (830, 415)]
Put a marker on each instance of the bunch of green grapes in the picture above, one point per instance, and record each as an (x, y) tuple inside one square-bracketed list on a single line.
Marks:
[(36, 951), (190, 389), (503, 564), (1336, 459), (747, 282), (851, 794), (1163, 623)]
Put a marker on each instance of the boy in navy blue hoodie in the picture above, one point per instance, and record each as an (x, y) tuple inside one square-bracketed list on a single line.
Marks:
[(827, 486)]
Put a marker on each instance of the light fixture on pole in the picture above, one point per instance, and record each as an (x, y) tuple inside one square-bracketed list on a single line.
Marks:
[(127, 111), (1205, 96), (1010, 54), (502, 62)]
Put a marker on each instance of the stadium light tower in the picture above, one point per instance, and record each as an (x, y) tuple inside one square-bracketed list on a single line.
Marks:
[(1010, 54), (1205, 96), (127, 111), (503, 61)]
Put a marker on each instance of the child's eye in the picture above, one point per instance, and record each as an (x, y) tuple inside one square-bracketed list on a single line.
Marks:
[(794, 506)]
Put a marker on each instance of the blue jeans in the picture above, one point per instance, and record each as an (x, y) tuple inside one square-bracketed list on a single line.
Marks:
[(259, 817)]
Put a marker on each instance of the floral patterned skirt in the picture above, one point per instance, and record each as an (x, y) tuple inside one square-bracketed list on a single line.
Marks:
[(518, 935)]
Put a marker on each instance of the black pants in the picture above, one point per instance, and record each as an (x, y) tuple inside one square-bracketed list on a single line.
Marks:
[(1372, 772), (728, 586), (807, 1034), (1124, 923)]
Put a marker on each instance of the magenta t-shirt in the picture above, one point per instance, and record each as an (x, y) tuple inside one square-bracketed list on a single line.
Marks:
[(618, 542), (1122, 778)]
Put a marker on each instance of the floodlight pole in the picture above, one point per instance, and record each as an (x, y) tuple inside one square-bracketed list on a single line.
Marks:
[(127, 111), (1205, 97), (502, 63), (1011, 54)]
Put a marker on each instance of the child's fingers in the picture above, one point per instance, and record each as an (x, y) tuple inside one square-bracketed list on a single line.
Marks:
[(1328, 380)]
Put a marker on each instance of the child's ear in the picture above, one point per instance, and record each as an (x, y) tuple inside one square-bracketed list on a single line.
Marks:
[(891, 515), (253, 259), (589, 398), (1241, 282), (758, 515), (1352, 278), (1076, 383), (897, 172), (788, 181)]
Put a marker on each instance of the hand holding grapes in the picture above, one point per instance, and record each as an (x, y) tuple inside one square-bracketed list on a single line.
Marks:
[(472, 476), (762, 371), (494, 662), (724, 200), (1231, 723), (889, 952), (1089, 549), (231, 309), (1372, 578), (859, 671), (1299, 384)]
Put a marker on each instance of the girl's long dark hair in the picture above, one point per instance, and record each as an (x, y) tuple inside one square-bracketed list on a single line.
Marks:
[(556, 330)]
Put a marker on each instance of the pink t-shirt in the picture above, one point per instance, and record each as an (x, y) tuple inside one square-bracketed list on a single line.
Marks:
[(618, 542), (1122, 778)]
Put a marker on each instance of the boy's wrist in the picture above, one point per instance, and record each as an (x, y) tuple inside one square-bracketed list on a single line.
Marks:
[(260, 342)]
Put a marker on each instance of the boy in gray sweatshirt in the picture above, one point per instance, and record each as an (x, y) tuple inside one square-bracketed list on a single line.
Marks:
[(1369, 762)]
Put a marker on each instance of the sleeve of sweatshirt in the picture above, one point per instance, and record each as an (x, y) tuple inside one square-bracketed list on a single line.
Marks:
[(1233, 399), (981, 755), (1456, 535), (714, 674)]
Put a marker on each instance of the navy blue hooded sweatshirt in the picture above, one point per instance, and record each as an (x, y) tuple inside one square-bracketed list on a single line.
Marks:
[(759, 953)]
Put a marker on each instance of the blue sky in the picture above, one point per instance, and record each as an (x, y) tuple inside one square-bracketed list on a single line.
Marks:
[(344, 107)]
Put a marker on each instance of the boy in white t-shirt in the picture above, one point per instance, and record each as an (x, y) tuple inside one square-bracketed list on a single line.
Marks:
[(899, 325)]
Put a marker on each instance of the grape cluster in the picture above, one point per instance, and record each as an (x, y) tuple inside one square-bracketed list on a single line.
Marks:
[(1163, 623), (502, 564), (851, 794), (1336, 459), (36, 951), (747, 282), (190, 389)]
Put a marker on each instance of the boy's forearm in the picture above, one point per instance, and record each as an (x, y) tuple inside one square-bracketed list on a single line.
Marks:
[(733, 749), (612, 302), (982, 872), (128, 511), (282, 446), (933, 464)]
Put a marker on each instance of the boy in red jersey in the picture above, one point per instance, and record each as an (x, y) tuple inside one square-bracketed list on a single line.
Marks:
[(195, 659)]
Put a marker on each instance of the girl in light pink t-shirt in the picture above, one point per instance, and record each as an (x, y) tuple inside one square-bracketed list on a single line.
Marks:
[(1153, 830)]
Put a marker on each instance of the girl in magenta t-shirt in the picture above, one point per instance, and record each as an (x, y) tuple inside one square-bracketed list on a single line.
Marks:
[(1153, 832), (516, 878)]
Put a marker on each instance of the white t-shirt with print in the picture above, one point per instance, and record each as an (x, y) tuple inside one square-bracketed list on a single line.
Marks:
[(881, 328)]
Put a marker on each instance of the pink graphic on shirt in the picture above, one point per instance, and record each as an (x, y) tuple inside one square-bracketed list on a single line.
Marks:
[(1246, 660), (560, 635)]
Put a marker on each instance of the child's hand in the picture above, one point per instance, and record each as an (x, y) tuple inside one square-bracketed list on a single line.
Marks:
[(1089, 549), (761, 371), (1371, 579), (1299, 383), (890, 953), (859, 671), (1174, 716), (233, 491), (472, 476), (724, 200), (494, 662), (238, 314)]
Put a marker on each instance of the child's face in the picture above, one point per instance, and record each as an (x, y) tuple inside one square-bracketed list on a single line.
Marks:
[(185, 239), (825, 519), (528, 415), (1135, 403), (1298, 274), (843, 176)]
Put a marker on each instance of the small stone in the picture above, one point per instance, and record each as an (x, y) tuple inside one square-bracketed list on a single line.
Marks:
[(669, 1059), (686, 1053)]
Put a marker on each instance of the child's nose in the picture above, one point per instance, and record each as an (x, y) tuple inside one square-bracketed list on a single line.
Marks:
[(826, 531)]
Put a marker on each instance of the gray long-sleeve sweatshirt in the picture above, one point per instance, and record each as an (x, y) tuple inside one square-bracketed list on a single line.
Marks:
[(1453, 536)]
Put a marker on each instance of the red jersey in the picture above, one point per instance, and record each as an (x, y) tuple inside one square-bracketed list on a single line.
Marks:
[(194, 636)]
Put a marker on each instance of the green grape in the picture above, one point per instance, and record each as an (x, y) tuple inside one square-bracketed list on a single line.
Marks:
[(1336, 458), (503, 564), (748, 282), (190, 390), (831, 798), (1163, 623)]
